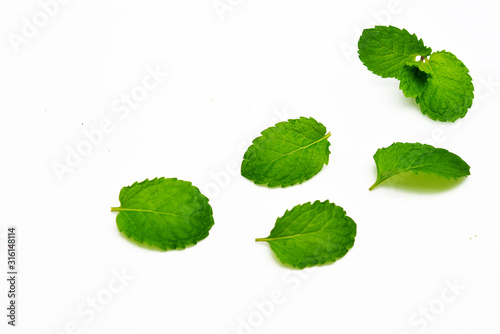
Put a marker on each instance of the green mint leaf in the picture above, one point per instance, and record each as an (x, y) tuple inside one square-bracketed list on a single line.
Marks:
[(164, 213), (385, 50), (412, 81), (287, 153), (417, 158), (449, 90), (312, 234), (440, 84)]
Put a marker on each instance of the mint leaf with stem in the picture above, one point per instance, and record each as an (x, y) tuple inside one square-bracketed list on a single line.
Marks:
[(288, 153), (417, 158), (312, 234), (166, 213), (439, 82)]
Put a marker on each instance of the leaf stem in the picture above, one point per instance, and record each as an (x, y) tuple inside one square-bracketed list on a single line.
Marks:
[(260, 239), (375, 184), (113, 209)]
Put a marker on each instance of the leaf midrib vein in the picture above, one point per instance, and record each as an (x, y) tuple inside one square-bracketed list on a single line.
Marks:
[(292, 236), (119, 209), (439, 83), (302, 147)]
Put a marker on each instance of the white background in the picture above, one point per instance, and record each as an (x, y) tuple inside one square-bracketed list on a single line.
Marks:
[(231, 74)]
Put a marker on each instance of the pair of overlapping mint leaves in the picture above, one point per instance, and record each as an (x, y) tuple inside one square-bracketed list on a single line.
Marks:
[(168, 213)]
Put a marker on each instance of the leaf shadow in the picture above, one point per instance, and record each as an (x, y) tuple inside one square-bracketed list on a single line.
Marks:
[(276, 259), (409, 102), (422, 183), (289, 266), (148, 246)]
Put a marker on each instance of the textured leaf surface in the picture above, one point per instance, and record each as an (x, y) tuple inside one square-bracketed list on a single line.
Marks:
[(312, 234), (385, 50), (449, 90), (287, 153), (412, 81), (165, 213), (439, 82), (417, 158)]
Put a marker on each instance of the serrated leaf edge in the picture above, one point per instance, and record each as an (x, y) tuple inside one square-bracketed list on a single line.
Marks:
[(142, 241), (267, 239), (385, 178), (282, 125)]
